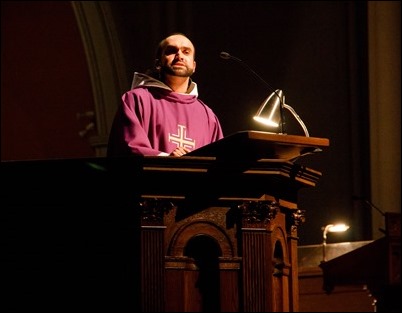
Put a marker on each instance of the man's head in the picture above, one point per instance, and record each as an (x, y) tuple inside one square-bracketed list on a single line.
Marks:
[(175, 56)]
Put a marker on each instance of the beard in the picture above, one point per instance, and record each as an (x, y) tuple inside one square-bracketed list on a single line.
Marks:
[(180, 71)]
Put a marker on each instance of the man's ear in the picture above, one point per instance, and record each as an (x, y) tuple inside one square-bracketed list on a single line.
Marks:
[(195, 65), (158, 65)]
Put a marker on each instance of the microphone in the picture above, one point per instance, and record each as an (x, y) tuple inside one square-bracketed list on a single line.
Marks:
[(370, 204), (227, 56)]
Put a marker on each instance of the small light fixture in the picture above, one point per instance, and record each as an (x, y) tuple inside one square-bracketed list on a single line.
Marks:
[(330, 228), (270, 112)]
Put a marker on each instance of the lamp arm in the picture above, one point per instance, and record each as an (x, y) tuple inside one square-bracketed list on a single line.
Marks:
[(288, 107)]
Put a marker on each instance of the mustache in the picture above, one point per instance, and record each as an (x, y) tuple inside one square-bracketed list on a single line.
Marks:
[(169, 69)]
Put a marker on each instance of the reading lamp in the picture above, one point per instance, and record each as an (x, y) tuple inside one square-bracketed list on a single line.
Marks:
[(270, 112), (330, 228)]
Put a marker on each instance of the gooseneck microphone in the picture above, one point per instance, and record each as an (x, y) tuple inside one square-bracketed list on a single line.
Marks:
[(372, 206), (369, 203), (227, 56)]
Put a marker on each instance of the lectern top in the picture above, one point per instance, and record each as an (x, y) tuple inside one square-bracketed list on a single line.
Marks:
[(261, 145)]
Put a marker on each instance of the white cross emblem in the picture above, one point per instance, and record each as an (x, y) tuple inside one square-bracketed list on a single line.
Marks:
[(180, 138)]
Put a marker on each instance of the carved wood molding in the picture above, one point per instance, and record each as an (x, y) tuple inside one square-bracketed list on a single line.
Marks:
[(256, 214), (153, 211)]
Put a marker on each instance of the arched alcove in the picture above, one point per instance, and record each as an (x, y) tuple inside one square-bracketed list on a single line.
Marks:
[(200, 227), (205, 252)]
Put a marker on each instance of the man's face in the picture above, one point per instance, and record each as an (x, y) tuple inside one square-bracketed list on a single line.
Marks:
[(177, 57)]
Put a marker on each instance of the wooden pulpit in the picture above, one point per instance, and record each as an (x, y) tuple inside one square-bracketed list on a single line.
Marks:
[(218, 227)]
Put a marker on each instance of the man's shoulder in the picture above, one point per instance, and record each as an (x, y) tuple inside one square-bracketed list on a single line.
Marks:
[(139, 90), (147, 94)]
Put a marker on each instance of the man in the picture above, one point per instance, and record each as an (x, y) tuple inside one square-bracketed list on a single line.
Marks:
[(162, 115)]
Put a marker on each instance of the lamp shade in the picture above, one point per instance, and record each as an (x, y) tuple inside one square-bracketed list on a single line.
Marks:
[(270, 111), (271, 114)]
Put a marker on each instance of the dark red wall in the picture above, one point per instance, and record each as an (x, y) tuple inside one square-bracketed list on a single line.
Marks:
[(44, 82)]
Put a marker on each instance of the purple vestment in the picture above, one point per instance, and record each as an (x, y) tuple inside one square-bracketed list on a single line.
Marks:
[(155, 121)]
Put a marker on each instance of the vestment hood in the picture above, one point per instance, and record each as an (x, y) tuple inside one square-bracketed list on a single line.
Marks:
[(141, 79)]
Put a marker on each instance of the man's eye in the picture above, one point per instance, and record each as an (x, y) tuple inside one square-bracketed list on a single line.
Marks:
[(170, 50)]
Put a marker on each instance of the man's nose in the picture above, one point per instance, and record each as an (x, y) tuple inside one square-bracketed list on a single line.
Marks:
[(179, 54)]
